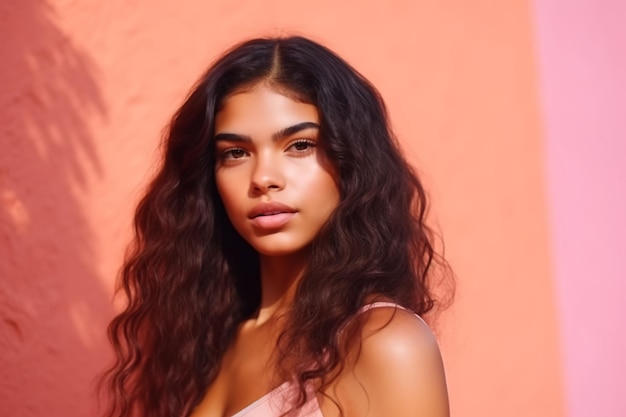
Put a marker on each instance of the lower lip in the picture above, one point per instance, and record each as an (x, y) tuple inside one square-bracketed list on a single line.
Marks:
[(273, 221)]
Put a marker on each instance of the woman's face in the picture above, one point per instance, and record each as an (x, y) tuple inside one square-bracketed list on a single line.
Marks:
[(277, 186)]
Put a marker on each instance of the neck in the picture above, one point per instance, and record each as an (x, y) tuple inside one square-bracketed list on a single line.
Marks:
[(279, 278)]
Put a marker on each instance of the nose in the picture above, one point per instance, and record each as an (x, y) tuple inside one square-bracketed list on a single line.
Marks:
[(267, 175)]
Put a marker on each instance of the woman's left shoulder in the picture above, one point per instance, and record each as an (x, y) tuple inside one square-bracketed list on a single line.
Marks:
[(398, 332), (399, 365)]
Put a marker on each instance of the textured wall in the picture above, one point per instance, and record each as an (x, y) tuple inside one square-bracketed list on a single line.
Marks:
[(86, 88), (55, 281)]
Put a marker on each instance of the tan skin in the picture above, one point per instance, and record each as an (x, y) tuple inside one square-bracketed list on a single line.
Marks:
[(267, 146)]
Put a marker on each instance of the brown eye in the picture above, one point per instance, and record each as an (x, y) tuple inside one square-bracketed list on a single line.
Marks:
[(302, 145), (237, 153), (233, 153)]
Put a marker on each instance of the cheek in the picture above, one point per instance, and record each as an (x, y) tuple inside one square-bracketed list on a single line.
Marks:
[(324, 182), (325, 190)]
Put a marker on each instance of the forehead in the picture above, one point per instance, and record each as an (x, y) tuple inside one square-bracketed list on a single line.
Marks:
[(262, 109)]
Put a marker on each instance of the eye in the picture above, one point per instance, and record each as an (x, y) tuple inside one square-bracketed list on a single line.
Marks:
[(234, 153), (302, 145)]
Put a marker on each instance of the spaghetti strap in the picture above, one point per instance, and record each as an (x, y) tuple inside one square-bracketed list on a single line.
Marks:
[(379, 304)]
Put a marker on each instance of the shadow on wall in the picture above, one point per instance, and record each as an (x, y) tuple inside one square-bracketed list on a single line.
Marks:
[(52, 305)]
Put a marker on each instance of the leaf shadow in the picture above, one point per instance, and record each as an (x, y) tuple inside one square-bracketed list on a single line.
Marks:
[(53, 305)]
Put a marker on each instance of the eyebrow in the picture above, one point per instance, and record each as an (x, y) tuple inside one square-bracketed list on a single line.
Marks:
[(283, 133)]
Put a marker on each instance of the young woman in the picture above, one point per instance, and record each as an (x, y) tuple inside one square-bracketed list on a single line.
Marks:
[(281, 261)]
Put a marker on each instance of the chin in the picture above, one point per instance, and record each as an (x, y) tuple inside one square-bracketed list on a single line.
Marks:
[(278, 248), (277, 251)]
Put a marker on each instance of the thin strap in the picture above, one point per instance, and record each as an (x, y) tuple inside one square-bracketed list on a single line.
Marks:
[(378, 304)]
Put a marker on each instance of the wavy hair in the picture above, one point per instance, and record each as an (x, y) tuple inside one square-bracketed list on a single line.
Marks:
[(190, 279)]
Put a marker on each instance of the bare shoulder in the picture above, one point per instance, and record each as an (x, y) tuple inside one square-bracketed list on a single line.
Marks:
[(393, 334), (399, 366)]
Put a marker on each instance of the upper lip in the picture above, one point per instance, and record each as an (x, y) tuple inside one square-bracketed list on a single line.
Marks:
[(267, 209)]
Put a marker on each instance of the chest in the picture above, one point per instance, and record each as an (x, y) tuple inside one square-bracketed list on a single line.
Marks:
[(245, 375)]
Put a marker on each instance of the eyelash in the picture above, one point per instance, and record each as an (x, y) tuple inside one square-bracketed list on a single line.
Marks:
[(309, 142), (228, 154)]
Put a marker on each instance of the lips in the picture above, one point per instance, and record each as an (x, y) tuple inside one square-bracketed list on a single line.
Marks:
[(271, 215)]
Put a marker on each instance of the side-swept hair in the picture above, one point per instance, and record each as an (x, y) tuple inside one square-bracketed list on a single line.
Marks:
[(190, 279)]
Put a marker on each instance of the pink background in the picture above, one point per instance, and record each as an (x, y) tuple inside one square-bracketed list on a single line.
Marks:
[(582, 51), (512, 111)]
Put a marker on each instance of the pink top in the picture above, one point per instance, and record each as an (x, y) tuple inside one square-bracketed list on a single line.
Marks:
[(273, 404)]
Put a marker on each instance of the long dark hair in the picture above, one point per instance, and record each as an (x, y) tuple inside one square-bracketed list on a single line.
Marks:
[(190, 279)]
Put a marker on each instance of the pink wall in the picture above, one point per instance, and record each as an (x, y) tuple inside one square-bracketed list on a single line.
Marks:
[(582, 49)]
